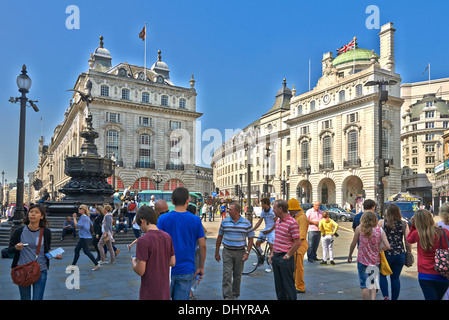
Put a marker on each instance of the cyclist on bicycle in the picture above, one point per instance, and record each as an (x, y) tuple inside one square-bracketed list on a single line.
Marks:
[(267, 233)]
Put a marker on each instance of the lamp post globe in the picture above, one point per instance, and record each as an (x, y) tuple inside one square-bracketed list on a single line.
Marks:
[(24, 81)]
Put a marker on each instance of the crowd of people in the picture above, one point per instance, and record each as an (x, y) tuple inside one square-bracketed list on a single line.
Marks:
[(171, 246)]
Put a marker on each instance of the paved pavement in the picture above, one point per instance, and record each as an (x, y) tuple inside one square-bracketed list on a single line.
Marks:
[(118, 281)]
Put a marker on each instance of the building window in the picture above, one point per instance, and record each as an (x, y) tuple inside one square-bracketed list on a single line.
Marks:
[(145, 97), (430, 114), (327, 124), (430, 148), (358, 90), (327, 151), (305, 130), (144, 150), (430, 125), (113, 117), (104, 91), (164, 100), (445, 124), (352, 117), (342, 96), (415, 161), (414, 150), (430, 136), (175, 150), (353, 148), (299, 109), (145, 122), (182, 103), (305, 154), (125, 94), (288, 155), (430, 159), (312, 105), (174, 125), (112, 143)]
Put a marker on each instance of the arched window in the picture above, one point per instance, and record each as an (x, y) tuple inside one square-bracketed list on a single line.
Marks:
[(342, 95), (312, 105), (358, 90), (172, 184), (353, 146), (112, 143)]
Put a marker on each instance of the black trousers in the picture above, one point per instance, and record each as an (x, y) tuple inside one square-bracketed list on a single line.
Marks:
[(284, 281)]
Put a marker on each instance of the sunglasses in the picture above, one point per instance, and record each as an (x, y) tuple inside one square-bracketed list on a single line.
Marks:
[(164, 212)]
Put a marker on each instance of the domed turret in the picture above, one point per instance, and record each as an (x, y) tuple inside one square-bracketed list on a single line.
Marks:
[(101, 59)]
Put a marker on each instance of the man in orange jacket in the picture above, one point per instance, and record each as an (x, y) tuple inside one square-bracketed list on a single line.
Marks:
[(296, 212)]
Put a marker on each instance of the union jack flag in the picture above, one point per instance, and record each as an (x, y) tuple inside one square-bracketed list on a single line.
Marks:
[(346, 47)]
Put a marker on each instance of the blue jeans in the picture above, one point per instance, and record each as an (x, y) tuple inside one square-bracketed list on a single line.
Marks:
[(396, 263), (433, 290), (180, 286), (38, 288), (313, 239)]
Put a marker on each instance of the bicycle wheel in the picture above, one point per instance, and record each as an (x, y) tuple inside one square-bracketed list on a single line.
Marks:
[(252, 263)]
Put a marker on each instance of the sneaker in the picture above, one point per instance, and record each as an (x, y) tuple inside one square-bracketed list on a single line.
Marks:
[(268, 270), (332, 262), (103, 262), (97, 267), (323, 262)]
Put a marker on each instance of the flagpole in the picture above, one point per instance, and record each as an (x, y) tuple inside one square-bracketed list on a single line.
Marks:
[(145, 52)]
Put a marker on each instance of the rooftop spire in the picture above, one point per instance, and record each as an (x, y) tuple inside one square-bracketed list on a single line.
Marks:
[(101, 42)]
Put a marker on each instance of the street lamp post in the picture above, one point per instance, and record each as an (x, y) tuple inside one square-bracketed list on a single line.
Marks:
[(268, 169), (24, 84), (383, 97), (157, 180)]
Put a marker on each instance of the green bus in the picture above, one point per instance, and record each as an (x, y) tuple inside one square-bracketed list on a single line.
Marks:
[(145, 197)]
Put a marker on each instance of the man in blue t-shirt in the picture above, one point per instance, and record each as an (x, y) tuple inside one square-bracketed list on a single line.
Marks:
[(186, 230)]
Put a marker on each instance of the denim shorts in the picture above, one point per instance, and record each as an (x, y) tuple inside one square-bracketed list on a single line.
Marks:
[(368, 273)]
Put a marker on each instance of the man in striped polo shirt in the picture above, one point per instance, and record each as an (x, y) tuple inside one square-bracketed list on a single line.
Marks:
[(286, 243), (233, 232)]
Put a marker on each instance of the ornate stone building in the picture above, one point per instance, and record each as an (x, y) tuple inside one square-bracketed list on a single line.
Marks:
[(145, 122), (425, 119), (323, 144)]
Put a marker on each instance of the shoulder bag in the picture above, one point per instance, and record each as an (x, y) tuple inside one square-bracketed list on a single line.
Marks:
[(27, 274), (442, 256), (409, 259)]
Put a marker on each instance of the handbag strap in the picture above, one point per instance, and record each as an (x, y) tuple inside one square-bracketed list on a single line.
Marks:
[(39, 243), (441, 237)]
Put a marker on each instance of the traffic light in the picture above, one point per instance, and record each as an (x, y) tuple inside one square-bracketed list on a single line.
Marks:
[(387, 163), (283, 187)]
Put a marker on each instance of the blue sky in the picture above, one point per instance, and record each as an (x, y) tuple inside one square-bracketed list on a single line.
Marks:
[(238, 51)]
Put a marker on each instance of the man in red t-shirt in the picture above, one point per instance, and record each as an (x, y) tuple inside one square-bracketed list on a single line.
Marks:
[(286, 243), (155, 255)]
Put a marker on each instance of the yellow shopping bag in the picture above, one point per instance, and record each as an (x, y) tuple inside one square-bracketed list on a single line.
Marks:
[(384, 266)]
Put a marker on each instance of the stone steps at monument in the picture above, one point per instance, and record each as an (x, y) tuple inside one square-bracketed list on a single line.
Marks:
[(56, 231)]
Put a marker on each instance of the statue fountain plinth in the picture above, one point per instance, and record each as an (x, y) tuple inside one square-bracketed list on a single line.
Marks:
[(88, 171)]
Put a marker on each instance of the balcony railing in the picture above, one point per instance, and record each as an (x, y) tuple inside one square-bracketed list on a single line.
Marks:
[(352, 163), (172, 166), (145, 165), (304, 169), (326, 166)]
